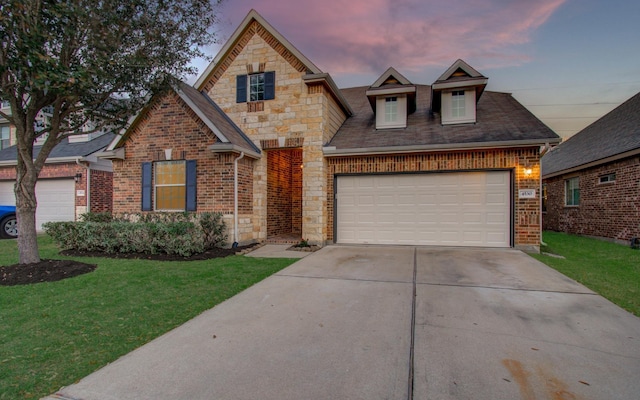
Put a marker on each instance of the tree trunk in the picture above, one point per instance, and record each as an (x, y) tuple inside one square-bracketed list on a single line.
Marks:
[(26, 203)]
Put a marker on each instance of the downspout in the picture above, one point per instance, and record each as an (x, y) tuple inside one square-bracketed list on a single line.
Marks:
[(235, 200), (88, 188)]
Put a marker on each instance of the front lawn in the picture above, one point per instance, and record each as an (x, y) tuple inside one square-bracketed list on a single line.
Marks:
[(52, 334), (612, 270)]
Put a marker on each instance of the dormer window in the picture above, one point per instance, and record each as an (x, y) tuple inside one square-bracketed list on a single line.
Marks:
[(459, 107), (392, 112), (457, 104)]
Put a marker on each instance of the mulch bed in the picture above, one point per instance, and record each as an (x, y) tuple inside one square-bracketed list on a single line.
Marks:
[(55, 270)]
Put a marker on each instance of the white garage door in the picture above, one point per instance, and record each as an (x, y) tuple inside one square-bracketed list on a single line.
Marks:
[(445, 209), (56, 201)]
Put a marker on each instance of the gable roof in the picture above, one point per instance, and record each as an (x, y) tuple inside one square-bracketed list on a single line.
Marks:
[(230, 137), (224, 52), (388, 74), (63, 152), (614, 136), (458, 75), (391, 82), (501, 122)]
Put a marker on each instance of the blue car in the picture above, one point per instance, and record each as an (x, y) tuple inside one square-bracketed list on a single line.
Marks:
[(8, 222)]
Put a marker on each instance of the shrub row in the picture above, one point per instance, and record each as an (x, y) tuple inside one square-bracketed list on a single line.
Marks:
[(153, 233)]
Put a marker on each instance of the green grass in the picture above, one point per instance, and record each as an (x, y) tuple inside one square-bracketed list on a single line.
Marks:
[(609, 269), (52, 334)]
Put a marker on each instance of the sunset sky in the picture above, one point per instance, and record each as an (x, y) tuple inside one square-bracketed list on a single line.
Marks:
[(568, 61)]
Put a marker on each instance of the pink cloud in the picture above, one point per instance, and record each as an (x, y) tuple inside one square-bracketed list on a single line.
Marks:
[(367, 36)]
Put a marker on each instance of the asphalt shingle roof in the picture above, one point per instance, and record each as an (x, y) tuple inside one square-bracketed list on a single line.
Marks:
[(615, 133), (213, 113), (500, 118), (64, 148)]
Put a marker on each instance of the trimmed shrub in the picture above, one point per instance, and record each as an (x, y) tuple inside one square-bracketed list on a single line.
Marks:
[(182, 234)]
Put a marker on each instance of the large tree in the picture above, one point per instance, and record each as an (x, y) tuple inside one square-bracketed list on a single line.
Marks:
[(87, 63)]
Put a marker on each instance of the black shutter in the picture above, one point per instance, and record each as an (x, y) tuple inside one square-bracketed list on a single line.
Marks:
[(191, 185), (241, 88), (146, 186), (270, 85)]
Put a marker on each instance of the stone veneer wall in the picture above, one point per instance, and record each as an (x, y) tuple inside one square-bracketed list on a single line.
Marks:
[(296, 115), (526, 212), (607, 210)]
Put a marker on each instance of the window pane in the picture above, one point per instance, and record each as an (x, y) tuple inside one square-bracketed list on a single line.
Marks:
[(170, 173), (457, 104), (170, 188), (391, 109), (170, 197), (256, 87)]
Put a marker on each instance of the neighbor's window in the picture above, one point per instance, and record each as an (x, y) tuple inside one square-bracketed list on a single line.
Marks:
[(170, 185), (572, 191), (5, 104), (391, 109), (5, 136), (255, 87), (607, 178), (544, 197), (457, 104)]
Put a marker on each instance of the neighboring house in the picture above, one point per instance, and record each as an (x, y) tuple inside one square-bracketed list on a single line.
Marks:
[(72, 182), (592, 180), (266, 138)]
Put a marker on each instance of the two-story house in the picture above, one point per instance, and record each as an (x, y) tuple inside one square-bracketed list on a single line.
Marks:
[(73, 181), (268, 139)]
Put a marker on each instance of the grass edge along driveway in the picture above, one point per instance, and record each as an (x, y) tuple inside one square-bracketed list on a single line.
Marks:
[(52, 334), (612, 270)]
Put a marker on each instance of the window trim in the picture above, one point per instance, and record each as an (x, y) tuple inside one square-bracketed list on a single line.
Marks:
[(446, 112), (8, 138), (148, 196), (157, 185), (244, 87), (400, 111), (569, 187), (607, 178)]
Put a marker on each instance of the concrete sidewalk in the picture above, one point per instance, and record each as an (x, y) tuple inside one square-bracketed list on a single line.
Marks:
[(343, 323)]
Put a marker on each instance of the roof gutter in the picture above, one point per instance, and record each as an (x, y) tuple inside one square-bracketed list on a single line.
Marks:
[(232, 148), (57, 160), (332, 151), (617, 157)]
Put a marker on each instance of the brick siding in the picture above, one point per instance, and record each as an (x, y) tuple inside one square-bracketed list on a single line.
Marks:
[(101, 191), (170, 124), (607, 210), (526, 211)]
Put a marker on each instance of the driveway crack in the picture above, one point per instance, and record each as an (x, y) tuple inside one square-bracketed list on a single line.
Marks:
[(413, 325)]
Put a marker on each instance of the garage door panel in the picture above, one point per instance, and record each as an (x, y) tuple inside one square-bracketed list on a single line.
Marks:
[(458, 209), (56, 199)]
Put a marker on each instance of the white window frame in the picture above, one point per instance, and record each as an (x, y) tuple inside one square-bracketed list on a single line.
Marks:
[(5, 129), (451, 107), (255, 90), (607, 178), (571, 185), (386, 108), (157, 185)]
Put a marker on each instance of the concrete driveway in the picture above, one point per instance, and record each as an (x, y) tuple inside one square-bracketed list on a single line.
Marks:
[(365, 322)]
